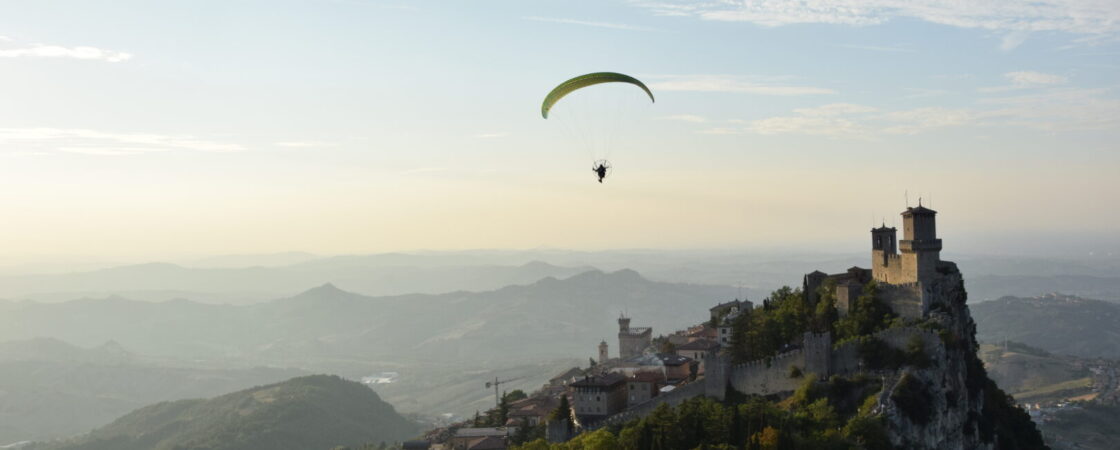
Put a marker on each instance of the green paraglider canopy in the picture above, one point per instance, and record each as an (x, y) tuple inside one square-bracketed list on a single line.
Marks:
[(583, 81)]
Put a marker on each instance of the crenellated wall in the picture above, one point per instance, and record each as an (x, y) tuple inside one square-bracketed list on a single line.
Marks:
[(767, 376), (887, 267), (905, 299), (772, 375), (845, 357)]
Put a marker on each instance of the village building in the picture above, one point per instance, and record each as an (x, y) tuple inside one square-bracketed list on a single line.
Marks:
[(478, 439), (532, 411), (677, 368), (698, 351), (643, 386), (599, 396)]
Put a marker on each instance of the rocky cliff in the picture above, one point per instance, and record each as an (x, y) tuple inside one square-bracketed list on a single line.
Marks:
[(950, 403)]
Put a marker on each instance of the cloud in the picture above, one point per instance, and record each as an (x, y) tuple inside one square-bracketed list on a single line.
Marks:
[(851, 121), (423, 170), (1012, 40), (1026, 79), (93, 142), (1055, 109), (613, 26), (914, 121), (1072, 16), (501, 134), (727, 83), (685, 118), (301, 144), (876, 48), (55, 51), (835, 127), (1051, 110), (834, 109)]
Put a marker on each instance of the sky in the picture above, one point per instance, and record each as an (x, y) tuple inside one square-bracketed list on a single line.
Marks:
[(145, 130)]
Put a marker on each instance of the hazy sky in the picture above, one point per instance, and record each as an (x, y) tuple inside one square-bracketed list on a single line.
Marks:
[(140, 129)]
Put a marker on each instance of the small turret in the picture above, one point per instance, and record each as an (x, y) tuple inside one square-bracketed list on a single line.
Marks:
[(603, 356), (623, 324)]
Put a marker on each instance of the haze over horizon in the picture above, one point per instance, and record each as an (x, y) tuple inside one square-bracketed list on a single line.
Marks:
[(133, 131)]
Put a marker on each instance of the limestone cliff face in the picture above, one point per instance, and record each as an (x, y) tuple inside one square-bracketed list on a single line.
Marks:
[(943, 406)]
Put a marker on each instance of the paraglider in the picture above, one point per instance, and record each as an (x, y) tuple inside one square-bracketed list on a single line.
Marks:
[(601, 167)]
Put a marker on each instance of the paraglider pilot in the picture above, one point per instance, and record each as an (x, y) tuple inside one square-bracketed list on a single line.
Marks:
[(601, 170)]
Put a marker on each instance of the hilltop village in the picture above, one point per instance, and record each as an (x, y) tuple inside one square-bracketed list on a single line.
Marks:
[(899, 326)]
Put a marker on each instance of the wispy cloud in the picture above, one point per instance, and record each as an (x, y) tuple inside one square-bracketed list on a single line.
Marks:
[(588, 23), (727, 83), (494, 135), (834, 109), (1052, 109), (9, 50), (301, 144), (1013, 40), (422, 170), (1056, 109), (877, 48), (1026, 79), (686, 118), (918, 120), (1072, 16), (93, 142)]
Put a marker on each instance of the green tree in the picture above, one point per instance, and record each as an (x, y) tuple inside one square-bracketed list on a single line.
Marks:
[(503, 411), (866, 315), (515, 395)]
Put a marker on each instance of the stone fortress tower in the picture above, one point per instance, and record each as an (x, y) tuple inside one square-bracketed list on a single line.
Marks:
[(603, 355), (632, 341), (921, 249), (904, 279)]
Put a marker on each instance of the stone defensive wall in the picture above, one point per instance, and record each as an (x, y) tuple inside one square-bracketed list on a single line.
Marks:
[(772, 375), (768, 375), (673, 398), (905, 299), (845, 357)]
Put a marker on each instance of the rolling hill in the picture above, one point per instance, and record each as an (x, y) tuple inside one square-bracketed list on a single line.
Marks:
[(51, 389), (1057, 323), (306, 413)]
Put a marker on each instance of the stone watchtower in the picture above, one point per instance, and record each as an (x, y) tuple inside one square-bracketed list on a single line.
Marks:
[(921, 249), (886, 266), (603, 355), (632, 341)]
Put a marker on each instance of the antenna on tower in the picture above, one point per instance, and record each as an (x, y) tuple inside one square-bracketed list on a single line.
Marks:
[(906, 194)]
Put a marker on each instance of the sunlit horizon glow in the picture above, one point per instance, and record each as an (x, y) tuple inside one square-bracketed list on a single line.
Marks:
[(134, 130)]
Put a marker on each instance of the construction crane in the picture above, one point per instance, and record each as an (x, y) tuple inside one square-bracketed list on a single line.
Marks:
[(496, 383)]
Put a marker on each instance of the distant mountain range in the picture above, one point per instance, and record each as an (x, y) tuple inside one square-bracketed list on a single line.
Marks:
[(551, 318), (244, 279), (308, 413), (444, 346), (366, 275), (1057, 323)]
